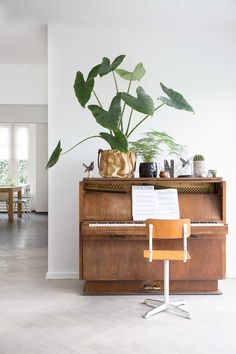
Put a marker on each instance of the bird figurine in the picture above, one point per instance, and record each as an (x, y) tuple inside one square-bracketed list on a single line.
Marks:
[(89, 168)]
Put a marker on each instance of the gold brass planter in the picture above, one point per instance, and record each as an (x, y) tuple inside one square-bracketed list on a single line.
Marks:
[(113, 163)]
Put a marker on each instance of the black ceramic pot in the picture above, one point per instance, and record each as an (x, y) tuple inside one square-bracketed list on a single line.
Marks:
[(148, 169)]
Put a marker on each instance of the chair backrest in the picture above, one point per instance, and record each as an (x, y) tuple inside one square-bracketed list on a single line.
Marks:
[(26, 191), (168, 228), (3, 197)]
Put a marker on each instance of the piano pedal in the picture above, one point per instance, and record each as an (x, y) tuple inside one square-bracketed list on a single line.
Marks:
[(152, 287)]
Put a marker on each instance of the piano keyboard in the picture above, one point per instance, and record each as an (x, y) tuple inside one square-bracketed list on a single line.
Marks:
[(117, 224), (204, 224), (135, 228), (141, 224)]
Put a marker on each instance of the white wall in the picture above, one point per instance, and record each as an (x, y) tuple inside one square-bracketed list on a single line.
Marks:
[(200, 63), (23, 99), (41, 204), (38, 175), (23, 84), (23, 113), (32, 164)]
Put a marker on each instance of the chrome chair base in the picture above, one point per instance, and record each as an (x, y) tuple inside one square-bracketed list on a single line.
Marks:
[(172, 306)]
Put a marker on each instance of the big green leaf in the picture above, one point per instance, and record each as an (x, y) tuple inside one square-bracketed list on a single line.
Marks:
[(108, 119), (83, 89), (175, 99), (137, 74), (143, 103), (54, 156), (106, 67), (93, 72), (117, 142)]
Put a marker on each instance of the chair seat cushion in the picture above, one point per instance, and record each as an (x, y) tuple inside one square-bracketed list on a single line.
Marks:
[(170, 255)]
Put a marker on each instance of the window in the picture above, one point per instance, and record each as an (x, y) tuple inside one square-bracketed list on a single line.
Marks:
[(4, 172), (22, 171), (14, 154), (21, 152)]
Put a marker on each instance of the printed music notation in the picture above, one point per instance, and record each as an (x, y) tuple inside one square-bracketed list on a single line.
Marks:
[(148, 203)]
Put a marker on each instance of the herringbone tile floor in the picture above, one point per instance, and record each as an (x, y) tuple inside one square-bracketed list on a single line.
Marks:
[(42, 316)]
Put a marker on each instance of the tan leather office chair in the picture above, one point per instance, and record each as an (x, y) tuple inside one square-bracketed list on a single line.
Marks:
[(167, 229)]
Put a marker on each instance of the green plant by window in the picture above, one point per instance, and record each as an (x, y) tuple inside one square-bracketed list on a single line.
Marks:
[(4, 172), (22, 171), (116, 121)]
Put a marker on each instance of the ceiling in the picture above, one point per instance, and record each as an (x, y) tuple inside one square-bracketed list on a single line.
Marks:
[(23, 31)]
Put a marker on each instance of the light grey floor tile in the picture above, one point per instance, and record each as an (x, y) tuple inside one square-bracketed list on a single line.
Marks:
[(52, 317)]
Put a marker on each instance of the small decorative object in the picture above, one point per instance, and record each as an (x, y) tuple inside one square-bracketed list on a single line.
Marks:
[(148, 169), (186, 170), (89, 169), (169, 168), (213, 173), (164, 174), (199, 166), (116, 121), (153, 143)]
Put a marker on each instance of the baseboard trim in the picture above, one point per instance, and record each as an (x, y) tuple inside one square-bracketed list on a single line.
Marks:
[(58, 275)]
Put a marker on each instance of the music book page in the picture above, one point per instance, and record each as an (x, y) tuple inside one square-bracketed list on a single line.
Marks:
[(143, 202), (167, 204), (148, 203)]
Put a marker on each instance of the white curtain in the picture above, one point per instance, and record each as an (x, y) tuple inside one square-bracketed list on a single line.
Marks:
[(21, 142), (5, 142)]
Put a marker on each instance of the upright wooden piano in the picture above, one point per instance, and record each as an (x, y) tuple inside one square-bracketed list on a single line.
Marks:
[(111, 244)]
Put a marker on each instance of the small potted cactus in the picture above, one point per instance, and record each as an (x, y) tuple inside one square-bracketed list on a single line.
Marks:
[(198, 166)]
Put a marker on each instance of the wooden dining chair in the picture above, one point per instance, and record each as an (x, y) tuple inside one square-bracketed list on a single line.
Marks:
[(167, 229), (4, 199), (25, 202)]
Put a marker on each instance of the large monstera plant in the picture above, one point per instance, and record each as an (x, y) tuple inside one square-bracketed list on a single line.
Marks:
[(118, 125)]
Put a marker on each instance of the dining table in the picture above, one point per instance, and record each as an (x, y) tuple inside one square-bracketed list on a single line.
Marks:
[(11, 190)]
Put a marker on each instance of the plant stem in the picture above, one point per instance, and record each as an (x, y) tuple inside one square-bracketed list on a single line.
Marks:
[(130, 116), (99, 102), (141, 121), (117, 90), (121, 124), (90, 137), (121, 118)]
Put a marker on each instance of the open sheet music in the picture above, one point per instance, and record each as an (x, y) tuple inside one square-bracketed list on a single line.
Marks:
[(148, 203)]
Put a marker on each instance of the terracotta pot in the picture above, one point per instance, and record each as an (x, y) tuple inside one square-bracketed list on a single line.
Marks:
[(164, 174), (114, 163)]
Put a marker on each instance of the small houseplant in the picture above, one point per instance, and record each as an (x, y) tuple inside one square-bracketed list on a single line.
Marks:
[(120, 160), (198, 165), (153, 143)]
